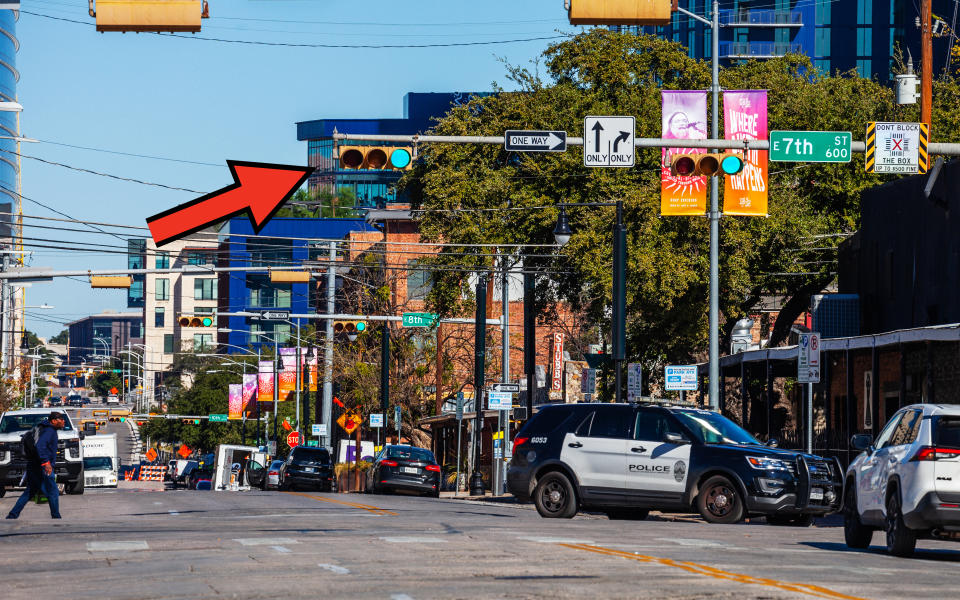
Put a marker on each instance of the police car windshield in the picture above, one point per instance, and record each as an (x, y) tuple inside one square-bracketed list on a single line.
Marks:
[(711, 428)]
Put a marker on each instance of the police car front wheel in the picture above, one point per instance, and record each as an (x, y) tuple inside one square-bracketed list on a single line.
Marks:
[(719, 501), (555, 497)]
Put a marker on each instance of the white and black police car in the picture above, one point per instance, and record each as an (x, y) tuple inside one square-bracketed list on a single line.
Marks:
[(626, 459)]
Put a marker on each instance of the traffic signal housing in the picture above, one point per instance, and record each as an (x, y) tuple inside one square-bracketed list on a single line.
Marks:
[(376, 158), (620, 12), (197, 321), (351, 328), (706, 165)]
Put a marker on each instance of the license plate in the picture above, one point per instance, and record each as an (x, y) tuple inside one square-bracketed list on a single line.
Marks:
[(412, 470), (309, 469), (816, 494)]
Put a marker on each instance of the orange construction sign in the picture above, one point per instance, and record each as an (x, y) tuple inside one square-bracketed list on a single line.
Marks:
[(184, 451), (151, 455)]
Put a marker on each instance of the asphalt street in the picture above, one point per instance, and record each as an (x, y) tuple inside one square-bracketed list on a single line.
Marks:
[(187, 544)]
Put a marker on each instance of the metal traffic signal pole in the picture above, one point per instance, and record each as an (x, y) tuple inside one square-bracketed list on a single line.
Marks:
[(479, 373), (325, 440), (714, 389)]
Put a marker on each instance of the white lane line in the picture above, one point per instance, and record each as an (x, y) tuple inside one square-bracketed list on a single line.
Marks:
[(694, 542), (554, 540), (116, 546), (173, 513), (282, 549), (334, 568), (413, 540), (265, 541), (158, 503), (400, 597)]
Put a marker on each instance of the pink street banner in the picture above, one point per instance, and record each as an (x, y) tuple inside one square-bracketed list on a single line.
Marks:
[(265, 381), (312, 364), (235, 401), (684, 117), (745, 118), (249, 392), (288, 376)]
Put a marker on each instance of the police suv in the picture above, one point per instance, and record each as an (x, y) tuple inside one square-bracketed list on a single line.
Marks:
[(625, 459)]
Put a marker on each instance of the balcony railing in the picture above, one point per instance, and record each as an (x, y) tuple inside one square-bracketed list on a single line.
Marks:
[(761, 18), (758, 49)]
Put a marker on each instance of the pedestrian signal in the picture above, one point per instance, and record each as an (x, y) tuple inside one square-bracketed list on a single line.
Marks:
[(364, 158), (186, 321), (705, 165)]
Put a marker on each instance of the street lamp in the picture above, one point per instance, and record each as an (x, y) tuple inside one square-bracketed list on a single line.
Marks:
[(562, 234)]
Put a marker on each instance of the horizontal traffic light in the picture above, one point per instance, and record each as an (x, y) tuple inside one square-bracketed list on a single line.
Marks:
[(619, 12), (349, 327), (186, 321), (395, 158), (706, 165)]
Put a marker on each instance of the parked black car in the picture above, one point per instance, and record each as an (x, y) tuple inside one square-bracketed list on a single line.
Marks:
[(400, 467), (307, 467)]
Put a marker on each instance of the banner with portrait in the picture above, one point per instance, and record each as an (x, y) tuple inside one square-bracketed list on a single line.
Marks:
[(684, 117), (745, 118)]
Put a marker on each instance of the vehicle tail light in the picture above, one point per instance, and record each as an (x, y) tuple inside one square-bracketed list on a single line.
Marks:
[(519, 442), (388, 463), (434, 468), (934, 453), (274, 472)]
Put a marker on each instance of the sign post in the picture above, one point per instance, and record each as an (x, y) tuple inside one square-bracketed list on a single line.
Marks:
[(535, 141), (811, 146), (456, 484), (808, 371)]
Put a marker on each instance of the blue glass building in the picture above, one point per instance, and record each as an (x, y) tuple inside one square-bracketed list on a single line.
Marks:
[(8, 93), (283, 241), (853, 34), (371, 188)]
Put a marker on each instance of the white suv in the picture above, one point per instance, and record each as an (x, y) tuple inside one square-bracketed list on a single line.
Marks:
[(907, 482)]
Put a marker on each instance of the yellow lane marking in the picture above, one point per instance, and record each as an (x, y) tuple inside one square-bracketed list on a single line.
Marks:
[(698, 569), (373, 509)]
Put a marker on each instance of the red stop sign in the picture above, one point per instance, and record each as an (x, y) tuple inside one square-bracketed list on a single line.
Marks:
[(293, 439)]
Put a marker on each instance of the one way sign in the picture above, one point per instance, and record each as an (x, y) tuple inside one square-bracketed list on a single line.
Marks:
[(608, 141), (535, 141)]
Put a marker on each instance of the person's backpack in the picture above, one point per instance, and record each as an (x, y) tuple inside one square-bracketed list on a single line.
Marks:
[(28, 443)]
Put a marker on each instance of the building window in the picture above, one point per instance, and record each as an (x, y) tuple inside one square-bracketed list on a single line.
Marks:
[(203, 310), (163, 259), (202, 341), (419, 283), (197, 258), (863, 68), (135, 293), (158, 316), (823, 65), (162, 291), (821, 42), (135, 252), (264, 294), (136, 329), (865, 12), (823, 12), (168, 343), (864, 42), (205, 289)]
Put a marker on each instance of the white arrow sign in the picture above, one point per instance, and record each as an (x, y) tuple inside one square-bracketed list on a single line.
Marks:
[(608, 141)]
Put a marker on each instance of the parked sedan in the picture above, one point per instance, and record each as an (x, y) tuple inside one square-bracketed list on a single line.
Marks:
[(272, 480), (307, 467), (409, 468)]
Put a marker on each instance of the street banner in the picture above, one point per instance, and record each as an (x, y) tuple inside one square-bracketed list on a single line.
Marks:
[(235, 401), (557, 383), (745, 118), (684, 117), (312, 363), (249, 393), (265, 381), (288, 376)]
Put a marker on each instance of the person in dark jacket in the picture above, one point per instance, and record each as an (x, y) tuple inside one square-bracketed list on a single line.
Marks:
[(42, 468)]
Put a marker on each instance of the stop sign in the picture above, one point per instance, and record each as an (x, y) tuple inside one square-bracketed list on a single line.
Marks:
[(293, 439)]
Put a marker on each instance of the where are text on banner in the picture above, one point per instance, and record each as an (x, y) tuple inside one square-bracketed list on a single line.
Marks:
[(684, 117), (745, 118), (265, 381), (235, 401), (249, 393)]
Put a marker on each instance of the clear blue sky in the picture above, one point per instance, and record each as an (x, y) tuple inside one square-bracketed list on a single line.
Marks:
[(208, 101)]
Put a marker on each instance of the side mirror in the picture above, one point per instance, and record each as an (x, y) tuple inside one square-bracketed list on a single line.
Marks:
[(83, 435), (674, 438), (861, 441), (773, 442)]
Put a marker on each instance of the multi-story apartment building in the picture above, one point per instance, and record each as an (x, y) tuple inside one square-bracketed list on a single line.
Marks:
[(103, 335)]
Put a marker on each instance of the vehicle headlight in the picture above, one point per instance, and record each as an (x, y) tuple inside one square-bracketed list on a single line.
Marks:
[(770, 486), (765, 463), (4, 456)]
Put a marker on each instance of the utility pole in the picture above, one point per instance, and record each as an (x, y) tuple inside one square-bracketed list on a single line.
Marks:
[(529, 338), (328, 347), (479, 370), (4, 320), (926, 63), (504, 416), (619, 324), (714, 320), (385, 370)]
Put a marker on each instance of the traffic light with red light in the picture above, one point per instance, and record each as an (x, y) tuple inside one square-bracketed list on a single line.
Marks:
[(366, 158), (705, 165)]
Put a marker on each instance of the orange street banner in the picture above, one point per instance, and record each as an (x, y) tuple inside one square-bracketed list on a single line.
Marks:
[(684, 117), (288, 376), (745, 118), (265, 381)]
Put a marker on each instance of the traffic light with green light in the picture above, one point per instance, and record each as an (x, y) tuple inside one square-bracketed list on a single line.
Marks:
[(376, 158), (350, 328), (197, 321), (706, 165)]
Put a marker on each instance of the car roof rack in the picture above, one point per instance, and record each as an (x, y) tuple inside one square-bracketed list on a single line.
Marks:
[(651, 401)]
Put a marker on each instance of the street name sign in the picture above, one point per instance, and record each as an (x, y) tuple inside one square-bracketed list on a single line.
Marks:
[(535, 141), (897, 147), (274, 315), (808, 358), (681, 378), (376, 420), (608, 141), (413, 319), (218, 418), (811, 146), (499, 400), (506, 387)]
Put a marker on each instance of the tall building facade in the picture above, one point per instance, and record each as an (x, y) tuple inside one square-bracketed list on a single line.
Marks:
[(838, 36), (103, 335), (370, 188)]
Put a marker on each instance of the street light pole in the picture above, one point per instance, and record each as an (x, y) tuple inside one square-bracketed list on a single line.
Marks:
[(479, 372), (714, 319)]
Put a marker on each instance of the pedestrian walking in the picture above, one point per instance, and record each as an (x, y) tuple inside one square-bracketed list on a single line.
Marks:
[(40, 448)]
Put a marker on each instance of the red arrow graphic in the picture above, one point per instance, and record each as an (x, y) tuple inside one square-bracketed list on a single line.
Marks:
[(259, 189)]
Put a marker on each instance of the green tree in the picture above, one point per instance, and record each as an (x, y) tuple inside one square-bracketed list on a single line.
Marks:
[(61, 338), (473, 194)]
